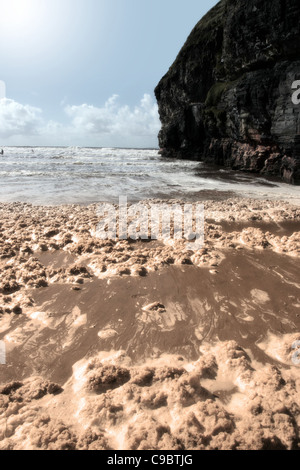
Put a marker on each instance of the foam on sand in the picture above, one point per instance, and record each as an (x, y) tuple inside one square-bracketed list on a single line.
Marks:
[(142, 345)]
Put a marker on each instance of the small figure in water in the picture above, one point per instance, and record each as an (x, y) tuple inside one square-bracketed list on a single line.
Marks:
[(1, 152)]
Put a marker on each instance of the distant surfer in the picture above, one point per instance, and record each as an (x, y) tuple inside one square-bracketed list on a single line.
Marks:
[(1, 152)]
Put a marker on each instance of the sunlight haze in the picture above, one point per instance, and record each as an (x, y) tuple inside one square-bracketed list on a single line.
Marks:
[(83, 72)]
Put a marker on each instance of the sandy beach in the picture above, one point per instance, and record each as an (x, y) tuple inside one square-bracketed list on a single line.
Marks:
[(141, 345)]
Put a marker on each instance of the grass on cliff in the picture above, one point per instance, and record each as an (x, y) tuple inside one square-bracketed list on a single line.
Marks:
[(216, 92)]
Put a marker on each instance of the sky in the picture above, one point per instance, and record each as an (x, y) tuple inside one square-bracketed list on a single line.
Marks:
[(83, 72)]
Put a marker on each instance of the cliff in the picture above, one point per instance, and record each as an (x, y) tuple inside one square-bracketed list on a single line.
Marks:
[(227, 99)]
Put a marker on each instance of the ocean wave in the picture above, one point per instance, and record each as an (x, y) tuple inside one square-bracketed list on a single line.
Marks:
[(67, 174)]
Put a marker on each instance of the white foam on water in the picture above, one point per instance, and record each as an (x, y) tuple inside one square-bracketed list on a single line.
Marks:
[(51, 176)]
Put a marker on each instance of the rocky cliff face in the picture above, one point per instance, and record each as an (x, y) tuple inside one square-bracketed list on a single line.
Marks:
[(227, 99)]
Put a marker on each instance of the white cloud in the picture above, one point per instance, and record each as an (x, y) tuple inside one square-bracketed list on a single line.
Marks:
[(116, 123), (112, 125), (17, 119)]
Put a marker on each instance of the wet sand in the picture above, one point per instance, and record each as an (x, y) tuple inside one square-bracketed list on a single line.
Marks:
[(142, 345)]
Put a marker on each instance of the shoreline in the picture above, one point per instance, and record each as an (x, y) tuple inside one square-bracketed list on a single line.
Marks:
[(54, 177), (139, 345)]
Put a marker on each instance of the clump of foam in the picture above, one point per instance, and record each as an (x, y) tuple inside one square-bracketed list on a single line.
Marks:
[(113, 404), (284, 348)]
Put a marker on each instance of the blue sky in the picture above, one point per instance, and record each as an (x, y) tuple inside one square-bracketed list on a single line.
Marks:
[(82, 72)]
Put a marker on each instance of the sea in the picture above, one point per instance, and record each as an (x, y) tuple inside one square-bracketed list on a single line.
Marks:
[(74, 175)]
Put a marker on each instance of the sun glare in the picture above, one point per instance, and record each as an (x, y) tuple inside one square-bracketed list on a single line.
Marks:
[(30, 28), (17, 14), (21, 22)]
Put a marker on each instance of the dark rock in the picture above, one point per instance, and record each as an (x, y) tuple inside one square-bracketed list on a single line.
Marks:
[(54, 389), (10, 287), (51, 233), (11, 387), (17, 310), (227, 99), (77, 270), (43, 247)]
